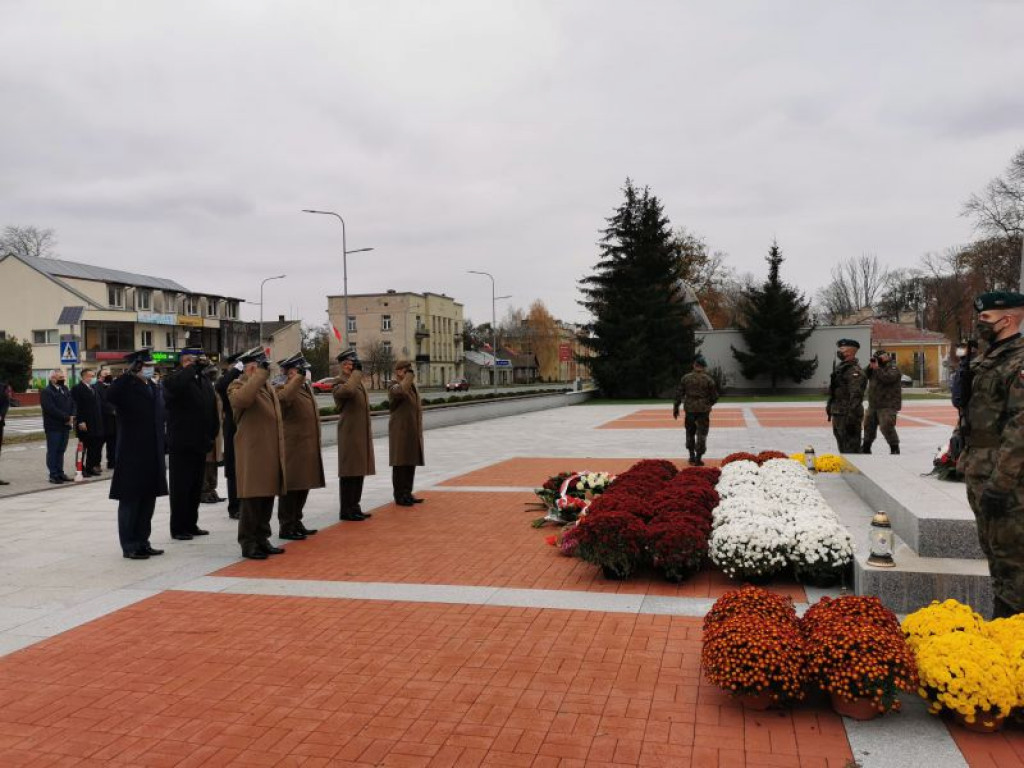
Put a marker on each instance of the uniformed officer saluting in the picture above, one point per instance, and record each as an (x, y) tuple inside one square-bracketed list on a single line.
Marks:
[(845, 407), (993, 460), (304, 465), (697, 393)]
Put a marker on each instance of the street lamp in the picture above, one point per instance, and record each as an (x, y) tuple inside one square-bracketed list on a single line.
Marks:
[(494, 326), (344, 269), (267, 280)]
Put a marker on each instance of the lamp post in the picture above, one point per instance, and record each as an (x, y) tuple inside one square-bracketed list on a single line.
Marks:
[(494, 327), (267, 280), (344, 269)]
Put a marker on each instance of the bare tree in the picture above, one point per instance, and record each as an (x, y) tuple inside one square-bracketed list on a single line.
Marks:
[(856, 284), (998, 210), (28, 241), (378, 361)]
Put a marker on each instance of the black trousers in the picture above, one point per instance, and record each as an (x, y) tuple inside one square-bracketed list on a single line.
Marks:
[(229, 471), (289, 511), (187, 470), (254, 523), (351, 493), (93, 458), (110, 439), (402, 478), (135, 523)]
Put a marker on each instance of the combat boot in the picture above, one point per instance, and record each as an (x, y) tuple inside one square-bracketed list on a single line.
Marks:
[(866, 448), (693, 458), (698, 462), (894, 450)]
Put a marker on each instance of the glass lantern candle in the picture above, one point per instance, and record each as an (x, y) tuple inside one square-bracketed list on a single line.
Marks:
[(809, 457), (881, 542)]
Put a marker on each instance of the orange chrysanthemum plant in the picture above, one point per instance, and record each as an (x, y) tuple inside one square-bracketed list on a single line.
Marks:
[(753, 646)]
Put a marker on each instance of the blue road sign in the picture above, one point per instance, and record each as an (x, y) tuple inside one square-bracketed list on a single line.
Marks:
[(69, 353)]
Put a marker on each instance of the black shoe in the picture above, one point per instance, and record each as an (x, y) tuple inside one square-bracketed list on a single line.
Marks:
[(208, 500), (894, 450), (153, 552), (270, 549), (292, 535), (256, 554), (182, 536), (137, 555), (200, 532), (66, 479), (404, 502), (57, 480), (866, 448), (415, 500), (352, 517), (4, 482), (698, 462), (307, 531), (233, 515), (110, 466)]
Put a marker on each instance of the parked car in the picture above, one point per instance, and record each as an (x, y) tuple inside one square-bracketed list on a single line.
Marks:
[(905, 380), (324, 385), (457, 385)]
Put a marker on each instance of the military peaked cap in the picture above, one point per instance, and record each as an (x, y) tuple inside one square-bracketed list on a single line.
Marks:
[(848, 343), (348, 354), (254, 355), (999, 300), (144, 355), (295, 361)]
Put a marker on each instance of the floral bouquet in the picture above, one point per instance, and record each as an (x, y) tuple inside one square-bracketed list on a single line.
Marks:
[(944, 463), (550, 491), (616, 541), (567, 494)]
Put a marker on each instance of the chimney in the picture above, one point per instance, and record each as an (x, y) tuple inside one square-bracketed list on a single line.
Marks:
[(280, 318)]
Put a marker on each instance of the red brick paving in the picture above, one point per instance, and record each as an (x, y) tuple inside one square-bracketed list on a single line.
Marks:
[(721, 418), (991, 750), (463, 538), (187, 679)]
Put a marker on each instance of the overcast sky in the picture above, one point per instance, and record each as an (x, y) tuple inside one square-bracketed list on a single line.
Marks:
[(182, 138)]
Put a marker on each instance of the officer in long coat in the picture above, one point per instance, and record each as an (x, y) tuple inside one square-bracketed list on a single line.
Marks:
[(845, 407), (355, 436), (89, 422), (139, 474), (304, 464), (885, 398), (216, 455), (405, 433), (109, 417), (228, 427), (191, 431), (993, 460), (259, 454), (697, 393)]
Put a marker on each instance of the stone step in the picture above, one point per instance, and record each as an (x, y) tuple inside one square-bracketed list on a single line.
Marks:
[(931, 516)]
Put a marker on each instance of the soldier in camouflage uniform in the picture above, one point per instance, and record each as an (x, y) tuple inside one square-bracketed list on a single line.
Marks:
[(845, 407), (993, 459), (698, 393), (885, 398)]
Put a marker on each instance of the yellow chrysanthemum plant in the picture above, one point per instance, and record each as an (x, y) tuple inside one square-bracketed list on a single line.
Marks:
[(941, 619), (1009, 635), (827, 462)]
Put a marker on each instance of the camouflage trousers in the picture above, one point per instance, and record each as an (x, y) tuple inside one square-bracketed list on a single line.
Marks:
[(1002, 541), (846, 428), (697, 427), (884, 419)]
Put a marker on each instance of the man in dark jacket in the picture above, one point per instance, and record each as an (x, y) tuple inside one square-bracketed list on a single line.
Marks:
[(885, 398), (228, 417), (140, 474), (5, 404), (58, 416), (109, 418), (191, 431), (845, 406), (89, 422), (697, 393)]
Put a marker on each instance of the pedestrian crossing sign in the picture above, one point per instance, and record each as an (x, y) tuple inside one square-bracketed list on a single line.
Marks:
[(69, 353)]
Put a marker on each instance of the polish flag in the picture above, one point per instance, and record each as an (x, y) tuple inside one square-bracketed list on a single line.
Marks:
[(337, 333)]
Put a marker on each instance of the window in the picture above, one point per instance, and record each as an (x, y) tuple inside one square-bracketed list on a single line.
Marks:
[(115, 296), (191, 305), (386, 346), (170, 339), (117, 337), (146, 337), (49, 336), (351, 345), (232, 310), (211, 307), (385, 322), (351, 326), (143, 299)]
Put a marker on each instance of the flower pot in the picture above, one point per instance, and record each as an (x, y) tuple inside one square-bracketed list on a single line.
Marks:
[(756, 701), (984, 722), (856, 709), (610, 572)]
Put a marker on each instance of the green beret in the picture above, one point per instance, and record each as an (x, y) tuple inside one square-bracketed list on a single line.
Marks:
[(699, 360), (999, 300), (848, 343)]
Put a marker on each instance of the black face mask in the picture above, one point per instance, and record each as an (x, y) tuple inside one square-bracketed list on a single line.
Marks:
[(986, 331), (839, 355)]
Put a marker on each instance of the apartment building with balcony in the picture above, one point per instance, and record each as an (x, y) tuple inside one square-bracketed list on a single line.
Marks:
[(111, 312), (423, 327)]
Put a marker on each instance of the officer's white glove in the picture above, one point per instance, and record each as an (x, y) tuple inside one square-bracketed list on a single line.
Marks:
[(240, 366)]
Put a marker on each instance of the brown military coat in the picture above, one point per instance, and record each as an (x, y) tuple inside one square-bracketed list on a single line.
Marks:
[(259, 437), (405, 428), (355, 436), (303, 463)]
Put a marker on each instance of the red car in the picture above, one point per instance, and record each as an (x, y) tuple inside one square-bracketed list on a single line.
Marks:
[(323, 385), (457, 385)]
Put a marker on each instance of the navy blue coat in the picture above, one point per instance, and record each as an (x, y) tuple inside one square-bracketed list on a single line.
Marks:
[(192, 420), (140, 471), (57, 407)]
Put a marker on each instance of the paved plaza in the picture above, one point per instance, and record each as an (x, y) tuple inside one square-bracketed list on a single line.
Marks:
[(448, 634)]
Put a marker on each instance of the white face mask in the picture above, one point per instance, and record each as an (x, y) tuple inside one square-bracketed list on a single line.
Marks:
[(309, 375), (148, 371)]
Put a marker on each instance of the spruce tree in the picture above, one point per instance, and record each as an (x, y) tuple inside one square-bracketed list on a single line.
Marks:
[(776, 322), (641, 336)]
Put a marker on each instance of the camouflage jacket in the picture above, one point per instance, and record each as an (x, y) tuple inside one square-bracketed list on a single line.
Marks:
[(995, 416), (697, 392), (846, 389), (884, 387)]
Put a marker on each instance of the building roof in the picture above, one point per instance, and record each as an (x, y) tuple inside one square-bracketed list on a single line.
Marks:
[(270, 327), (883, 332), (476, 357), (61, 268)]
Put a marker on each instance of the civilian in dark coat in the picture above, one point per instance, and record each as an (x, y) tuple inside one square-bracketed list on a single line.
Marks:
[(58, 415), (5, 404), (191, 431), (109, 418), (223, 383), (89, 422), (139, 475)]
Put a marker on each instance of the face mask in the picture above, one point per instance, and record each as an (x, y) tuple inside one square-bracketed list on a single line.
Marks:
[(840, 357), (90, 383), (148, 371), (987, 331)]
